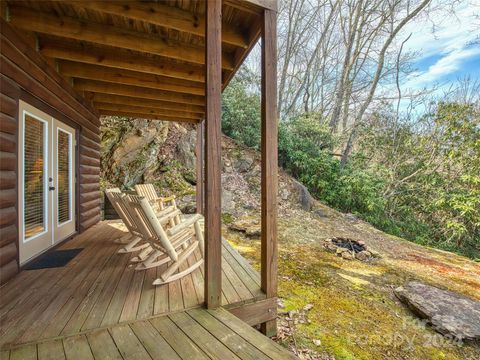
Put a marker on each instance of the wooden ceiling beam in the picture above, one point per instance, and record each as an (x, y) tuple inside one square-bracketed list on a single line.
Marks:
[(148, 103), (116, 76), (136, 91), (259, 4), (120, 60), (100, 106), (166, 16), (67, 27), (148, 116)]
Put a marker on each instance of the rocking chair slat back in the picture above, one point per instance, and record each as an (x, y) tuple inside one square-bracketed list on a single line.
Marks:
[(147, 191), (150, 226), (114, 196), (128, 215)]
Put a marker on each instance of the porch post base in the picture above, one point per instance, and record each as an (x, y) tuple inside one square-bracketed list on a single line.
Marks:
[(269, 328)]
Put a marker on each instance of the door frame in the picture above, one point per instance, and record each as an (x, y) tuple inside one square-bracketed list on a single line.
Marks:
[(46, 234), (26, 100)]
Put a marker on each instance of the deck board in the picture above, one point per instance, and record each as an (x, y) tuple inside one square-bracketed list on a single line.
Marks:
[(103, 346), (190, 334), (39, 301), (77, 347), (234, 342), (100, 288), (128, 344), (51, 350), (155, 345), (177, 339)]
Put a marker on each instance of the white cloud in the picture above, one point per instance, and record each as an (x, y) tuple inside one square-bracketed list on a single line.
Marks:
[(450, 40), (451, 30), (451, 62), (448, 64)]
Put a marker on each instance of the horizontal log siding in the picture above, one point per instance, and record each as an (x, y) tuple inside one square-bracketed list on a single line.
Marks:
[(8, 183), (26, 76)]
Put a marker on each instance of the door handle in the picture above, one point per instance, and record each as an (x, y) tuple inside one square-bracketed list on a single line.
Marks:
[(51, 188)]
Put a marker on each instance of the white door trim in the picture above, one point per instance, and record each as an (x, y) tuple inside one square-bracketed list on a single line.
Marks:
[(53, 232), (28, 247)]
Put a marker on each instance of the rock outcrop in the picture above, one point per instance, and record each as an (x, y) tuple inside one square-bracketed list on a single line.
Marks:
[(305, 199), (448, 312), (158, 152), (163, 153)]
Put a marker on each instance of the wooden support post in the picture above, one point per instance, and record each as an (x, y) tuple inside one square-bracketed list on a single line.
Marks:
[(213, 89), (269, 162), (199, 147)]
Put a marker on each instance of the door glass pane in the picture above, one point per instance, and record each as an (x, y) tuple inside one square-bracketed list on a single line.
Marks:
[(35, 166), (63, 176)]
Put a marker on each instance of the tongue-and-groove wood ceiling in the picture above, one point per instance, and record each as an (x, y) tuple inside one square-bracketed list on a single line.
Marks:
[(136, 58)]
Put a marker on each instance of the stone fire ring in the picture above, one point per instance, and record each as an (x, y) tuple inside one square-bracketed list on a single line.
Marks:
[(349, 249)]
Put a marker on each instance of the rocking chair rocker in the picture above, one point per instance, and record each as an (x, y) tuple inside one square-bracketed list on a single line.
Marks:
[(170, 246)]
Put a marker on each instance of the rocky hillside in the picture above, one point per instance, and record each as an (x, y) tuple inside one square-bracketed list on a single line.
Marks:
[(141, 151), (332, 306), (163, 153)]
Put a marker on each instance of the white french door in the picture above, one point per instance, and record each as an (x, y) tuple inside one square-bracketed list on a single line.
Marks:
[(46, 181), (63, 180)]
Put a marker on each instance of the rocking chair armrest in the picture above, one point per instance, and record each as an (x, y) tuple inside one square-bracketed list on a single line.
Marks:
[(189, 222), (165, 199), (166, 211), (168, 198), (168, 216)]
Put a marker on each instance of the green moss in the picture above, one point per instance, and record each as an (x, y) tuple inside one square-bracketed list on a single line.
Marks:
[(358, 282), (355, 314), (173, 179), (227, 218), (253, 182), (174, 184), (190, 176)]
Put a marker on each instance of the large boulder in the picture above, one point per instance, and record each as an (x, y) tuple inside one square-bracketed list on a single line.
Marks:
[(250, 227), (243, 163), (448, 312), (228, 201), (305, 199)]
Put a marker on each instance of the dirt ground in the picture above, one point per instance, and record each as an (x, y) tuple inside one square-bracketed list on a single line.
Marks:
[(331, 308)]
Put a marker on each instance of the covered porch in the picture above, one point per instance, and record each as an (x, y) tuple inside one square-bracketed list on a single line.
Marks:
[(64, 64), (98, 301)]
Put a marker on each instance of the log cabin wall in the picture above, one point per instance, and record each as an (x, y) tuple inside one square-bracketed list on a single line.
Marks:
[(26, 76)]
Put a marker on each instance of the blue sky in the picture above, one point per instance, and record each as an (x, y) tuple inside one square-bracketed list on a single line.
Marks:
[(447, 51)]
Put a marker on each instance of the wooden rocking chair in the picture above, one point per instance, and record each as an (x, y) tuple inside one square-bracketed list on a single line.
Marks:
[(170, 246), (158, 203), (164, 217), (126, 238), (133, 237)]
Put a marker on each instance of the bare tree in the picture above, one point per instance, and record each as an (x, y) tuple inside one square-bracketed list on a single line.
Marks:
[(333, 54), (395, 29)]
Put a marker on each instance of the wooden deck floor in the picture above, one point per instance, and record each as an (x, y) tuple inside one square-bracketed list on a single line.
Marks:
[(191, 334), (100, 288)]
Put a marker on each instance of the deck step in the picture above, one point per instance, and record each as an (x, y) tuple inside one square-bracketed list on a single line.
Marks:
[(197, 333)]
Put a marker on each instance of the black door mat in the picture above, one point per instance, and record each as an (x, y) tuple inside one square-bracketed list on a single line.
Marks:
[(53, 259)]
